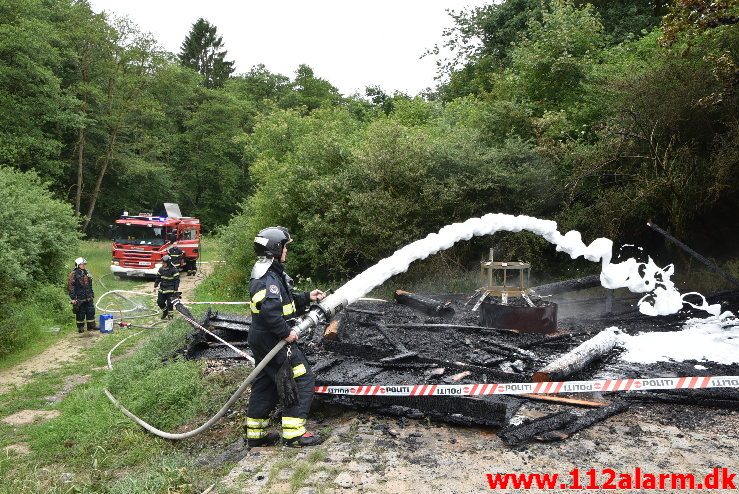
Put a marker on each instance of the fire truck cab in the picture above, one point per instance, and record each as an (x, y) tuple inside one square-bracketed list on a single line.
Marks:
[(140, 241)]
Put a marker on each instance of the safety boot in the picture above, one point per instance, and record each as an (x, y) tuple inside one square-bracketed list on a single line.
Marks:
[(269, 439), (307, 439), (165, 313), (81, 328), (91, 327)]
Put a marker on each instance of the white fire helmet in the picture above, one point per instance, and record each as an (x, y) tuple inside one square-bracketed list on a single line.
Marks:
[(80, 260)]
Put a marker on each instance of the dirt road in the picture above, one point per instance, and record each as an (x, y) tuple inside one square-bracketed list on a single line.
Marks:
[(70, 346)]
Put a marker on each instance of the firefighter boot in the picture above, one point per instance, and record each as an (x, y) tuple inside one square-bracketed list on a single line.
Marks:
[(270, 439), (307, 439), (165, 313), (91, 326), (80, 327)]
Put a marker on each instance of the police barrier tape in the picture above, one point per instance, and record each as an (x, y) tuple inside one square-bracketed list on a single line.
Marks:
[(553, 387)]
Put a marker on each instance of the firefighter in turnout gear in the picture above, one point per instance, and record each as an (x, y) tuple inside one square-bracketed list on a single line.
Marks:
[(178, 257), (82, 298), (274, 305), (168, 281)]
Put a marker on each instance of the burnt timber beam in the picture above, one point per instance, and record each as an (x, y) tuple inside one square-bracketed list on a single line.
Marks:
[(425, 305), (578, 358)]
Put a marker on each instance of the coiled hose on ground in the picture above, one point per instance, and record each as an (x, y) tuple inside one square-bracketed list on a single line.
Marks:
[(184, 435)]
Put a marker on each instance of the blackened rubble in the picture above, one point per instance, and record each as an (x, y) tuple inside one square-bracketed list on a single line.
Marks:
[(391, 344)]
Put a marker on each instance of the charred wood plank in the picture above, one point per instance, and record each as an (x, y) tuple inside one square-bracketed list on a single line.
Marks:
[(365, 311), (404, 352), (565, 286), (402, 365), (578, 358), (425, 305), (229, 325), (461, 327), (326, 364), (558, 338), (683, 399), (586, 420), (565, 401), (515, 435), (232, 318), (508, 349), (400, 356)]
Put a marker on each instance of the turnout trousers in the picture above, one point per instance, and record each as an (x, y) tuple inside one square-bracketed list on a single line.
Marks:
[(264, 395), (85, 315)]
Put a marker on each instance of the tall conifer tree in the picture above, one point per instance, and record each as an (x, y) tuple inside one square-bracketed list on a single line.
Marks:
[(203, 51)]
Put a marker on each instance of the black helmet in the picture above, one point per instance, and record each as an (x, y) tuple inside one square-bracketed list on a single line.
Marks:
[(270, 241), (166, 259)]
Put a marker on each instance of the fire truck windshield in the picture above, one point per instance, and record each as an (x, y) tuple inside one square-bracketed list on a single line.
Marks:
[(141, 235)]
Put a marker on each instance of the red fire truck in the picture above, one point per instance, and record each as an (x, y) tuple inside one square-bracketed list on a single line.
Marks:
[(140, 241)]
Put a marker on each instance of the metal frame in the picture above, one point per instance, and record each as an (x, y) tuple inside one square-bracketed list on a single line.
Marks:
[(489, 276)]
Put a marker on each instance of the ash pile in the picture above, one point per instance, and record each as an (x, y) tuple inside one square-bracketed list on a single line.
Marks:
[(446, 339)]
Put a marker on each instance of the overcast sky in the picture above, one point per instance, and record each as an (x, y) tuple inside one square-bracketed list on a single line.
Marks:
[(352, 44)]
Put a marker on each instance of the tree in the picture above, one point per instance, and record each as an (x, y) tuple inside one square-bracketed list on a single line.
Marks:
[(552, 60), (31, 100), (310, 92), (203, 51)]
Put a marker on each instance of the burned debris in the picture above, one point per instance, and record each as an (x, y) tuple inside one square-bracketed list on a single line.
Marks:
[(441, 339)]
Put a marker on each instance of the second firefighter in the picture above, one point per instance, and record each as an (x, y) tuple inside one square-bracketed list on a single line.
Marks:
[(168, 282)]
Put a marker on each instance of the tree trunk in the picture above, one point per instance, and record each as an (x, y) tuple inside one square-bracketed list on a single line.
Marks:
[(99, 181), (80, 160)]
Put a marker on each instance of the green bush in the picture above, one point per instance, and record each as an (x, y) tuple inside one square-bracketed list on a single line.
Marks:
[(37, 246), (352, 193)]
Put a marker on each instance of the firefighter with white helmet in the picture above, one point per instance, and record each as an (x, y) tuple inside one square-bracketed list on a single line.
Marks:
[(168, 282), (82, 297), (274, 305)]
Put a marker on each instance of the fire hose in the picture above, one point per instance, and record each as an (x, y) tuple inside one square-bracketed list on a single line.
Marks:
[(322, 312)]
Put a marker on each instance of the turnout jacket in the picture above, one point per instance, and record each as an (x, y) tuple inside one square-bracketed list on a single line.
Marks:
[(168, 279), (177, 255), (79, 285), (273, 304)]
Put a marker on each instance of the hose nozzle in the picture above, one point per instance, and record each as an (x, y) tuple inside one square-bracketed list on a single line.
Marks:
[(323, 312)]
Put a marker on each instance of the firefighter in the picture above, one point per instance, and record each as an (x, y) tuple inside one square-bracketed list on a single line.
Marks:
[(82, 298), (274, 305), (168, 282), (178, 257)]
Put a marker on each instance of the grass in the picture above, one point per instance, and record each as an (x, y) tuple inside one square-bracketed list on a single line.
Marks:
[(47, 317), (91, 446), (92, 442)]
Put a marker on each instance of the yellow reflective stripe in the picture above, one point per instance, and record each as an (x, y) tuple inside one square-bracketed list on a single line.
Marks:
[(170, 277), (256, 423), (292, 434), (255, 434), (255, 299), (288, 309), (299, 370), (292, 422), (259, 296), (166, 291)]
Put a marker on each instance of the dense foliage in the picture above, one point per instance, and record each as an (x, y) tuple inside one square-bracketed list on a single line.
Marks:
[(37, 242), (597, 114)]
